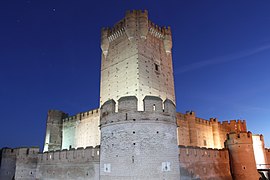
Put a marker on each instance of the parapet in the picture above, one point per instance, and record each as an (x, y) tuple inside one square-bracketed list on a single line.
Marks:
[(107, 107), (194, 152), (73, 155), (83, 115), (152, 103), (202, 121), (229, 126), (234, 126), (213, 120), (127, 110), (260, 137), (239, 138), (190, 113), (20, 151), (135, 25), (127, 103)]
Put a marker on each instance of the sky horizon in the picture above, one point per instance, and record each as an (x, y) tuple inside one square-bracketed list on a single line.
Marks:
[(50, 59)]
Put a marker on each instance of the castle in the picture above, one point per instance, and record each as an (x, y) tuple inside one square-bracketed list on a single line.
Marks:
[(137, 133)]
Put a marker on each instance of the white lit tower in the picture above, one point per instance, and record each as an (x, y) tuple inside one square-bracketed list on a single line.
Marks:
[(137, 114), (136, 60)]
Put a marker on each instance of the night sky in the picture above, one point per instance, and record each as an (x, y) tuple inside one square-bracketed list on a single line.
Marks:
[(50, 59)]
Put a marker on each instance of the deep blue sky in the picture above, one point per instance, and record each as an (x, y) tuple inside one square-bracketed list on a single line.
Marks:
[(50, 59)]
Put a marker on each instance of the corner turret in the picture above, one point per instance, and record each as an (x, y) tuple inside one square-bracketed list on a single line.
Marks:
[(53, 139), (242, 160)]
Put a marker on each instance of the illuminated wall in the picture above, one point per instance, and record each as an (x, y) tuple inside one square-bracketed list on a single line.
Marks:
[(259, 151), (194, 131), (81, 130)]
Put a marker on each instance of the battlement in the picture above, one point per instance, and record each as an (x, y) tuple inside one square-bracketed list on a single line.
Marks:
[(159, 32), (258, 137), (232, 125), (72, 155), (135, 23), (20, 151), (202, 121), (242, 135), (213, 120), (239, 138), (190, 113), (233, 122), (82, 115), (136, 12), (202, 153), (127, 110)]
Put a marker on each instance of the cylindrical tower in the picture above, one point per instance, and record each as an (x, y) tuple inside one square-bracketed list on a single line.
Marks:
[(138, 144), (242, 160)]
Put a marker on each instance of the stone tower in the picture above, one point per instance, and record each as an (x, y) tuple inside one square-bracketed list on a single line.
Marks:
[(137, 116), (242, 160), (53, 138), (136, 60)]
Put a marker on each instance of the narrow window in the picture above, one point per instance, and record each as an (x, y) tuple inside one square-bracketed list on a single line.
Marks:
[(156, 67), (154, 107)]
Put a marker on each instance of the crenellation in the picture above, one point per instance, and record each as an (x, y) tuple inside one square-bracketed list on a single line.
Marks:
[(204, 152), (79, 154), (82, 115), (133, 137), (205, 133), (127, 110), (204, 163)]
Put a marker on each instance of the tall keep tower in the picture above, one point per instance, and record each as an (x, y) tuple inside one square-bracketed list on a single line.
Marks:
[(136, 60), (137, 114)]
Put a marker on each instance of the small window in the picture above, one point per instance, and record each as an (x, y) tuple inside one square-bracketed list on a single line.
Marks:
[(154, 107), (204, 143), (107, 168), (157, 67)]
